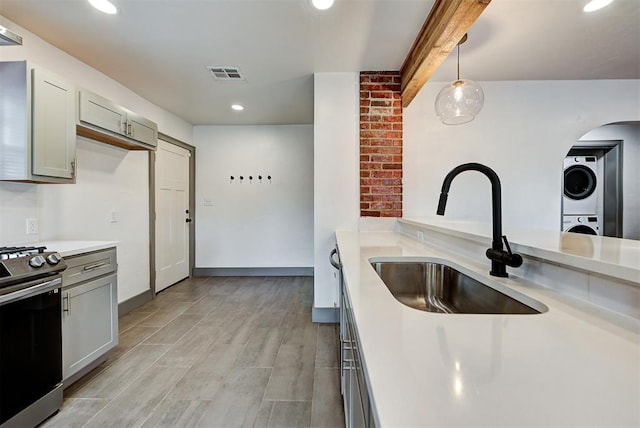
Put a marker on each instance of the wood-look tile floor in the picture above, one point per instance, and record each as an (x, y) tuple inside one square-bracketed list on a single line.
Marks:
[(211, 352)]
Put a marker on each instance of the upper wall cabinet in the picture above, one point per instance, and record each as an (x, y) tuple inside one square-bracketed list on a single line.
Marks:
[(37, 125), (102, 120)]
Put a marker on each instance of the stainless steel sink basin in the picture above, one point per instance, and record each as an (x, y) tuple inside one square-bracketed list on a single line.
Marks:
[(434, 286)]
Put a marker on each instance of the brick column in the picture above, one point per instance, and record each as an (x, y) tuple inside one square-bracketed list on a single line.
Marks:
[(380, 144)]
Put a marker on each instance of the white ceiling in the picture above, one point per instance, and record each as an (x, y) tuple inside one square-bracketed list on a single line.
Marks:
[(160, 48)]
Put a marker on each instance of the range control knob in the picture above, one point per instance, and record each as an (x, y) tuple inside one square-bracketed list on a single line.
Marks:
[(54, 258), (37, 262)]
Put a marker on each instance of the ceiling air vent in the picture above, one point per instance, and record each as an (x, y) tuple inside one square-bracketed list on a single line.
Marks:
[(227, 74)]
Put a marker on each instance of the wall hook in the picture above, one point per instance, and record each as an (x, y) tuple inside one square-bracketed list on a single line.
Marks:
[(260, 178), (241, 178), (251, 179), (269, 178), (231, 179)]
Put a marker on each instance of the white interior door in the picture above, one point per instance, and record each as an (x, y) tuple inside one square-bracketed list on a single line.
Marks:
[(172, 214)]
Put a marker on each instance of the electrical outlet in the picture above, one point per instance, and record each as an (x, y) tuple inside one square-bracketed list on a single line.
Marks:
[(32, 226), (113, 216)]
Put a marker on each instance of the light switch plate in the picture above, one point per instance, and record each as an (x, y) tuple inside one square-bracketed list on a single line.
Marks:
[(208, 202)]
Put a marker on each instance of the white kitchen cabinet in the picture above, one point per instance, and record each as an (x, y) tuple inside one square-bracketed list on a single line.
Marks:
[(102, 120), (37, 118), (142, 130), (90, 311), (102, 113)]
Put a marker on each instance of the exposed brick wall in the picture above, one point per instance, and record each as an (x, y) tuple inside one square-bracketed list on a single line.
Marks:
[(380, 144)]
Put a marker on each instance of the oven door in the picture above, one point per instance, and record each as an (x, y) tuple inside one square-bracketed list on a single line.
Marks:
[(30, 346)]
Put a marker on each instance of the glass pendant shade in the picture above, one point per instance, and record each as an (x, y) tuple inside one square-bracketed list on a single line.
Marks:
[(459, 102)]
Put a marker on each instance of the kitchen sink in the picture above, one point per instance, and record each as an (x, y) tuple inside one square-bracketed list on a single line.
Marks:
[(435, 286)]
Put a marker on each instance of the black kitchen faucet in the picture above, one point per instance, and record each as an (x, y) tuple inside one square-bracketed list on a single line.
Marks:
[(500, 258)]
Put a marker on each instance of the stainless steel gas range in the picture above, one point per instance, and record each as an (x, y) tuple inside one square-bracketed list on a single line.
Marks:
[(30, 335)]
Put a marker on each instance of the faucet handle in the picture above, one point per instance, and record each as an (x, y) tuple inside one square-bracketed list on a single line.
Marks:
[(513, 260), (506, 244)]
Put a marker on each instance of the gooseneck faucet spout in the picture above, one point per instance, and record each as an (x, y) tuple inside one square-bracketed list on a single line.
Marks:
[(499, 258)]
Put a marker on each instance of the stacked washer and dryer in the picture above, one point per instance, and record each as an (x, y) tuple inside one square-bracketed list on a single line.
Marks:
[(582, 184)]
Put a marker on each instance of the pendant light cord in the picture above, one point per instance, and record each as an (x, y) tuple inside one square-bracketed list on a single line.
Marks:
[(458, 62)]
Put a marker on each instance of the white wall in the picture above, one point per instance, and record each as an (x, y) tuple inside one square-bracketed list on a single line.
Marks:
[(523, 132), (253, 224), (18, 202), (107, 177), (337, 173), (110, 180), (630, 136)]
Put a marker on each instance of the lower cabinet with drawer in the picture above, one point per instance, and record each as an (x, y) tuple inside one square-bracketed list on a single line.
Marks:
[(90, 311), (357, 406)]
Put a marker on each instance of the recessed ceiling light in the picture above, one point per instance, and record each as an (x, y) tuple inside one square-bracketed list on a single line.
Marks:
[(594, 5), (237, 107), (104, 6), (322, 4)]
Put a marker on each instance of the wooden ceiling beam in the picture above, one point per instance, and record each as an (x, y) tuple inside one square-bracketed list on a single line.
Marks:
[(447, 23)]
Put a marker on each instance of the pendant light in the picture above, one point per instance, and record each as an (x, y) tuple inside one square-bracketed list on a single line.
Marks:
[(460, 101)]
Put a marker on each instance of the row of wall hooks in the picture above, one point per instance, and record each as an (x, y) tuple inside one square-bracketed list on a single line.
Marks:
[(242, 178)]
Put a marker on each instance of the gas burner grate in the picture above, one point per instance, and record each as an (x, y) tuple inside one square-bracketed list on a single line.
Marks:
[(7, 252)]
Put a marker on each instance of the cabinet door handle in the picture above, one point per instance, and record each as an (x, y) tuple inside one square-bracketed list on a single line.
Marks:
[(129, 128), (65, 303), (94, 266), (73, 168)]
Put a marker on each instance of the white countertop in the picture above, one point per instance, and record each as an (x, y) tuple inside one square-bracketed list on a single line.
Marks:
[(72, 248), (575, 364), (619, 258)]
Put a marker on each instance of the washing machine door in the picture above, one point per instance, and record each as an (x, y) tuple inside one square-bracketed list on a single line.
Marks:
[(581, 228), (579, 182)]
